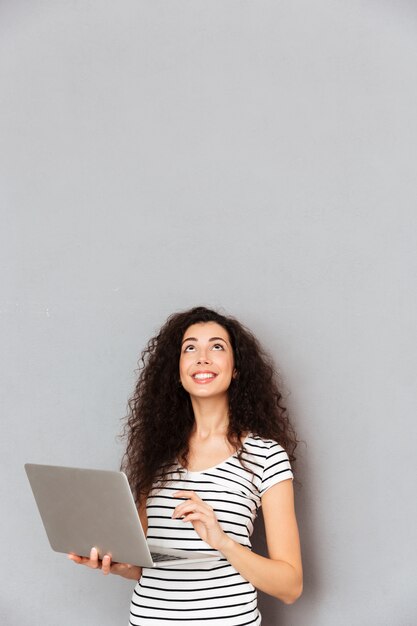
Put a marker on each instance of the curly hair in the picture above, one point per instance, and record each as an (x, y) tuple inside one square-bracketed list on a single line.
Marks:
[(160, 417)]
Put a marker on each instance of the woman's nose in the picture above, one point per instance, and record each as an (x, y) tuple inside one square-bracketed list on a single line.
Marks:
[(202, 358)]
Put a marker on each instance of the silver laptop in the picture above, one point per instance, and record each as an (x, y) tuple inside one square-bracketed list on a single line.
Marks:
[(85, 508)]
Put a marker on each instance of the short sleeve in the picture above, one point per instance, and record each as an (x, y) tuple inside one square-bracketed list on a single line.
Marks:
[(277, 467)]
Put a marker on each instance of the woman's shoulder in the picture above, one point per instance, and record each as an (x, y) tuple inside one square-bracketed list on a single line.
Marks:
[(262, 443), (269, 459)]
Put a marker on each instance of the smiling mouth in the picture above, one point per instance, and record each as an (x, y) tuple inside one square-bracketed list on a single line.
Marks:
[(204, 377)]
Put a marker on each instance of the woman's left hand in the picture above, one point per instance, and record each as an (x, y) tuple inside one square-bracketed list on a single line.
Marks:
[(203, 519)]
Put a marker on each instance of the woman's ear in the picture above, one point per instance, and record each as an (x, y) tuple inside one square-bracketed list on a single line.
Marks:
[(234, 375)]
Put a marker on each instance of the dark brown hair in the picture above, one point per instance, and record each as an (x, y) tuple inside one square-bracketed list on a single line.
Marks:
[(160, 417)]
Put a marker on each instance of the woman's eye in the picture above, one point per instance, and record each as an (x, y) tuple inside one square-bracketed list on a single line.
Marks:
[(218, 346), (189, 348)]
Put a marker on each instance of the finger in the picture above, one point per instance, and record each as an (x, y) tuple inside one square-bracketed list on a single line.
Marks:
[(190, 506), (196, 517), (75, 557), (106, 564), (189, 495), (94, 561), (203, 515), (83, 560), (182, 509)]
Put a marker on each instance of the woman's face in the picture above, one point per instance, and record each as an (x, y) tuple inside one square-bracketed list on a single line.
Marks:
[(206, 361)]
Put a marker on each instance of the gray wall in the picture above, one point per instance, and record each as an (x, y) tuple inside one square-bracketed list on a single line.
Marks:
[(255, 156)]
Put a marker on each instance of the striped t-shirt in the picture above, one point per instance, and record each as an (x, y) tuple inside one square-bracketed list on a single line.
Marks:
[(212, 593)]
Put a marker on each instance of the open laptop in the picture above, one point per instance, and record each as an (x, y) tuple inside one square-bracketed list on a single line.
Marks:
[(85, 508)]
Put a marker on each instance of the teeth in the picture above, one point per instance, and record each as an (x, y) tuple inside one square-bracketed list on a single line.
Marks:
[(202, 376)]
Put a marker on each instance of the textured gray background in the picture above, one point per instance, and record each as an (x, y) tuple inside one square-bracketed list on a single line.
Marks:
[(255, 156)]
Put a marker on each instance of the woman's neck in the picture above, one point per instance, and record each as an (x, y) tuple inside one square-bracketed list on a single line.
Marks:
[(211, 416)]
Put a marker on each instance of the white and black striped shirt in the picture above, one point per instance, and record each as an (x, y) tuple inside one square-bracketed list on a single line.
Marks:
[(211, 593)]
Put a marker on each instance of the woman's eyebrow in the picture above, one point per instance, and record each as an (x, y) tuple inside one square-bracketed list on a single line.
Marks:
[(190, 339), (211, 339)]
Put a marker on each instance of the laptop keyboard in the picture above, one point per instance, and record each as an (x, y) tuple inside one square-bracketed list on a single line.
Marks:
[(157, 556)]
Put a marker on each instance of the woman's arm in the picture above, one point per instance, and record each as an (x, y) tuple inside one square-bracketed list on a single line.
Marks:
[(281, 574)]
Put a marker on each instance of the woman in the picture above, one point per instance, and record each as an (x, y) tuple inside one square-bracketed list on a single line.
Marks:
[(208, 443)]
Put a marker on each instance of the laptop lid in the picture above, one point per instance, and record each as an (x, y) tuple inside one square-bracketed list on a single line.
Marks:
[(81, 508)]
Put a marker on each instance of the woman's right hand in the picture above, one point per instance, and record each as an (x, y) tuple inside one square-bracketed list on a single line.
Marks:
[(133, 572)]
